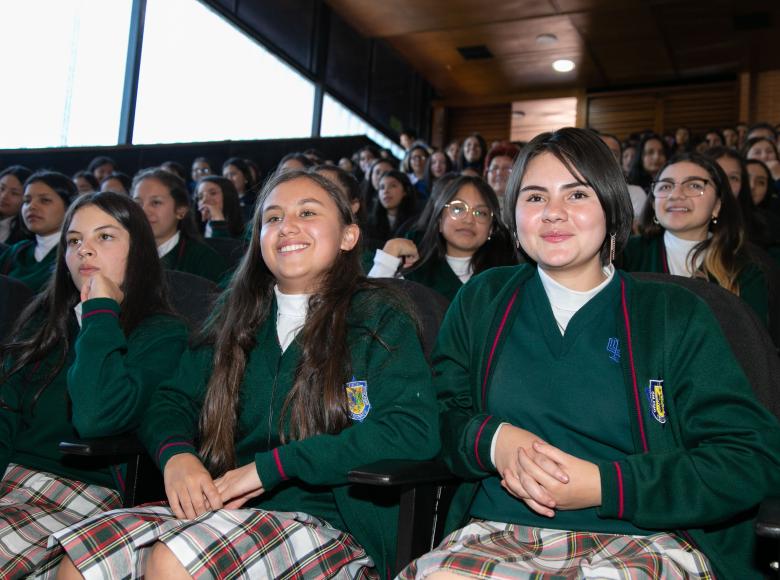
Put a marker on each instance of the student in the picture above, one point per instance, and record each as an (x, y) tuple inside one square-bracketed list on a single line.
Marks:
[(498, 167), (649, 158), (47, 195), (308, 371), (462, 235), (602, 424), (11, 193), (101, 167), (472, 154), (294, 161), (437, 165), (395, 211), (238, 171), (692, 226), (85, 182), (117, 182), (764, 149), (83, 361), (218, 208), (163, 197), (369, 187)]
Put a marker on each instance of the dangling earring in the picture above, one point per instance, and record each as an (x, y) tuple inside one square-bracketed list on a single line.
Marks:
[(612, 237), (714, 220), (655, 220)]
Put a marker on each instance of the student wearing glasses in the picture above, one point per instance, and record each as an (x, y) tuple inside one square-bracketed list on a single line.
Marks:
[(692, 226), (462, 235)]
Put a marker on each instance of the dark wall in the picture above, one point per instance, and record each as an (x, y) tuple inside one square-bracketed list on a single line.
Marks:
[(131, 158), (365, 73)]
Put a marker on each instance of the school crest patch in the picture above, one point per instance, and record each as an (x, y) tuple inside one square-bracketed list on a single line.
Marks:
[(357, 399), (655, 395)]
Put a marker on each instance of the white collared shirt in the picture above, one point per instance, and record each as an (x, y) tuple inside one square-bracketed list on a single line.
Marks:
[(166, 247), (45, 244)]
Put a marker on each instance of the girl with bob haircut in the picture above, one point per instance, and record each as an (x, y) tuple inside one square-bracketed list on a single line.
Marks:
[(307, 371), (47, 195), (218, 208), (461, 236), (82, 361), (163, 197), (692, 226), (601, 424)]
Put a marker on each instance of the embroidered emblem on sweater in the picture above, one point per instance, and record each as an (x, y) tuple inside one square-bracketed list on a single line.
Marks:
[(357, 399), (613, 348), (655, 394)]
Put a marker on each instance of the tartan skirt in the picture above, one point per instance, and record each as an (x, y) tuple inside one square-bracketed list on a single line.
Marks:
[(242, 543), (34, 505), (484, 549)]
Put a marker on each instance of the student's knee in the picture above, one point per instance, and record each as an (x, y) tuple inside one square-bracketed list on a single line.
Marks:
[(68, 571), (445, 576), (162, 564)]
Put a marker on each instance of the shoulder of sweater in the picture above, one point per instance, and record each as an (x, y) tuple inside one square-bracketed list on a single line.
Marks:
[(154, 323)]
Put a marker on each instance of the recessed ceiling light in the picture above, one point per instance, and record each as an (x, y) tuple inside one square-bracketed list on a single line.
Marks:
[(546, 39), (563, 65)]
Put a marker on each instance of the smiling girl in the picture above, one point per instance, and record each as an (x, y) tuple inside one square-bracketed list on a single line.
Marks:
[(462, 236), (83, 361), (47, 195), (602, 424), (692, 226), (308, 370)]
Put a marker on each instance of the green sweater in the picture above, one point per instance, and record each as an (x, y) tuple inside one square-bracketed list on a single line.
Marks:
[(648, 254), (103, 389), (18, 261), (437, 275), (401, 421), (195, 257), (701, 473)]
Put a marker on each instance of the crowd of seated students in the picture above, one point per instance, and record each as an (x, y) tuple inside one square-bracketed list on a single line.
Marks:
[(311, 366)]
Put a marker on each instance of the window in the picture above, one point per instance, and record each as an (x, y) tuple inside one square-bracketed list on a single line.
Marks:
[(202, 79), (64, 68), (338, 120)]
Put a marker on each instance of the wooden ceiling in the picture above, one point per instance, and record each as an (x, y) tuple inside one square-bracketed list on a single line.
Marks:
[(614, 43)]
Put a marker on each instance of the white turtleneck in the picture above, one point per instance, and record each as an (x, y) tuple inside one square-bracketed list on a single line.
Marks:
[(678, 251), (461, 267), (45, 244), (291, 311), (166, 247), (565, 304)]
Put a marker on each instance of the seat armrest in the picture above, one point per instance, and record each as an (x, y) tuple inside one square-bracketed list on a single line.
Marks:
[(768, 520), (125, 444), (392, 472)]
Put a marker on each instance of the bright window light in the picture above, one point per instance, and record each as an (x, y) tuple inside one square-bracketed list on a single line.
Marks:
[(339, 120), (64, 68), (202, 79)]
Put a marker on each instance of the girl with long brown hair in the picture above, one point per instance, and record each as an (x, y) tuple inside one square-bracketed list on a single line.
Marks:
[(307, 370), (692, 226)]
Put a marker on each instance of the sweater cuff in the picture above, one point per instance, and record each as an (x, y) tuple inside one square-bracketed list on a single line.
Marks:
[(173, 446), (96, 309), (385, 265), (273, 467), (617, 491), (481, 434)]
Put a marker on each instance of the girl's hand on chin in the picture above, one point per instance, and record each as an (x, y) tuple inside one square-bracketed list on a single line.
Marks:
[(99, 286)]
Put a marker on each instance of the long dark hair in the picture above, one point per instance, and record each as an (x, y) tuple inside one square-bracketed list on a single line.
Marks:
[(316, 402), (181, 197), (144, 290), (498, 250), (429, 178), (378, 222), (638, 175), (477, 165), (584, 154), (231, 206), (723, 253)]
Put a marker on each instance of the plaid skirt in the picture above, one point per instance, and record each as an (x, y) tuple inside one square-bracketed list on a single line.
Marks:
[(484, 549), (242, 543), (34, 505)]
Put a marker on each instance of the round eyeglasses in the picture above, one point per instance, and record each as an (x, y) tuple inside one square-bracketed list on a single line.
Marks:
[(458, 210), (691, 187)]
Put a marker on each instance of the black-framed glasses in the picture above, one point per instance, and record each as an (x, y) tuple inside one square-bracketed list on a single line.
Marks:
[(691, 187), (458, 210)]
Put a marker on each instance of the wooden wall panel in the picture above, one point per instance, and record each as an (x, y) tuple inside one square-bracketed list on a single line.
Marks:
[(491, 121), (699, 107), (767, 97)]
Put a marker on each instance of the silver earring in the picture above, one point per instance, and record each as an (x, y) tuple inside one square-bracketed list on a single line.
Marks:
[(612, 237), (714, 220), (655, 220)]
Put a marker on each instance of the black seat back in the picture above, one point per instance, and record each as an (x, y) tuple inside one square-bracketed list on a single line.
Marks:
[(14, 296), (231, 249), (192, 297)]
